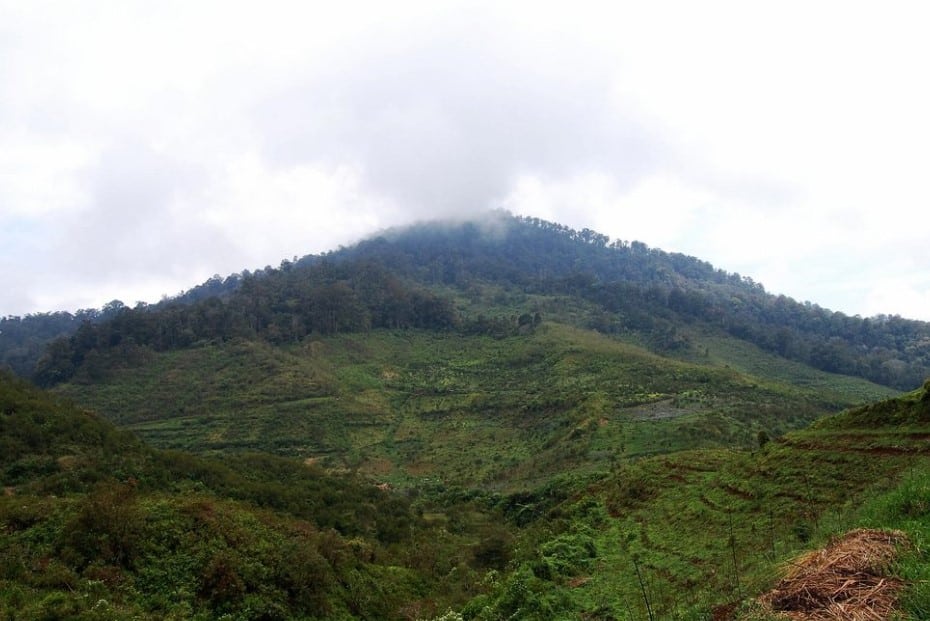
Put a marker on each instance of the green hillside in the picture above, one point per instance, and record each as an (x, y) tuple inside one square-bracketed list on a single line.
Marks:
[(96, 525), (514, 422), (700, 534), (472, 411), (109, 529), (410, 278)]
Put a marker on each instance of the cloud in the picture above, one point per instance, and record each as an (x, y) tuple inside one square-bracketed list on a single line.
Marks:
[(444, 121), (139, 216), (275, 213), (909, 298), (143, 150), (275, 134)]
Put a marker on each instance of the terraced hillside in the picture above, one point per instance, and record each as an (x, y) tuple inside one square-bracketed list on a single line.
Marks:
[(702, 534), (97, 525), (471, 411)]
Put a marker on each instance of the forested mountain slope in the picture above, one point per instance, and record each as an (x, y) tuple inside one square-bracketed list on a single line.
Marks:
[(646, 289), (430, 275)]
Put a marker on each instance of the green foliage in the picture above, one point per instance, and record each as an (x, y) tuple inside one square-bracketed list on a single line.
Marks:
[(279, 306), (455, 452), (170, 541), (391, 282), (566, 555), (23, 339), (473, 410), (106, 527), (909, 410), (46, 440), (682, 535), (494, 550), (521, 595)]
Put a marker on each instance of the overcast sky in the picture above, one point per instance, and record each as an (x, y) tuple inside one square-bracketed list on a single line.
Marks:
[(145, 146)]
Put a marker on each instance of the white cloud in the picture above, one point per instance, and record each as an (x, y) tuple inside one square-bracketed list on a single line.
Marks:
[(910, 297), (40, 177), (291, 211), (659, 209), (143, 148)]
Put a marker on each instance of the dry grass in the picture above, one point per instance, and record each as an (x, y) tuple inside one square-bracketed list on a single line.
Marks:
[(844, 580)]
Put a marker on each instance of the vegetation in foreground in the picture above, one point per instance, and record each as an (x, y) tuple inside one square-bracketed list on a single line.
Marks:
[(92, 531), (702, 533), (95, 525)]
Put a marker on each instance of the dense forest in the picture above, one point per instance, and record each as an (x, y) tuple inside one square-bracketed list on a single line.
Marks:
[(277, 305), (389, 281), (23, 339), (649, 290)]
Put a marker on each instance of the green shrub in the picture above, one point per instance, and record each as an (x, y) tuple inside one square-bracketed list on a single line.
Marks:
[(108, 526), (566, 555), (521, 595), (494, 549)]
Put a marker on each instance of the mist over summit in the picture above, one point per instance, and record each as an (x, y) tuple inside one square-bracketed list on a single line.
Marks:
[(412, 277)]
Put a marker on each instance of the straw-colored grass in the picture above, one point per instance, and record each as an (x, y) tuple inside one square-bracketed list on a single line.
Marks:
[(845, 580)]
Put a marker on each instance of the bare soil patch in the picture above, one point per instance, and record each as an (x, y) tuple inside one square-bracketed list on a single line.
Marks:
[(659, 410)]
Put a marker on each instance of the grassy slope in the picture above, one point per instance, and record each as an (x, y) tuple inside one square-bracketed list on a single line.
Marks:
[(750, 359), (95, 525), (497, 413), (696, 530), (704, 531)]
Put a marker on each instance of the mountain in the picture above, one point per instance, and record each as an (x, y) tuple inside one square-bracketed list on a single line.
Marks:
[(535, 347), (504, 419), (651, 291), (462, 275)]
